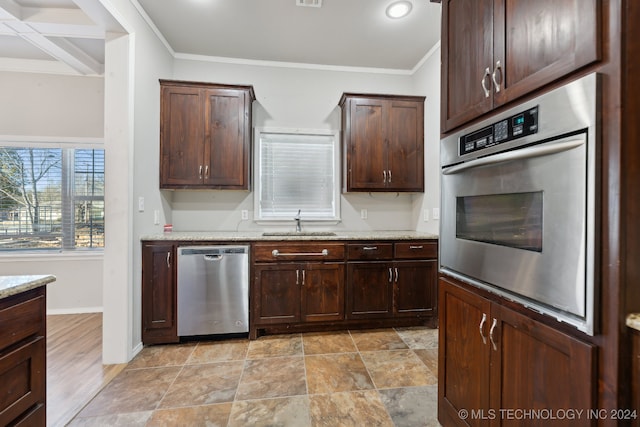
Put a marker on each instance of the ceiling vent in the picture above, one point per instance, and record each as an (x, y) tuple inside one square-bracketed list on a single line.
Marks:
[(309, 3)]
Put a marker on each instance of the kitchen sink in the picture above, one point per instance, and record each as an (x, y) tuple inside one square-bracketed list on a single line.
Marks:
[(298, 233)]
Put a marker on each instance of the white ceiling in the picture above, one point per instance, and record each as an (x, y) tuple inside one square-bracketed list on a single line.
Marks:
[(67, 36)]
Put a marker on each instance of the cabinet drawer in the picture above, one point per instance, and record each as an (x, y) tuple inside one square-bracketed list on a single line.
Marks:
[(21, 321), (22, 380), (416, 250), (370, 251), (298, 251)]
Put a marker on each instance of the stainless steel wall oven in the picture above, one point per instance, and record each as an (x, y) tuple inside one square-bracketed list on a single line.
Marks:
[(519, 203)]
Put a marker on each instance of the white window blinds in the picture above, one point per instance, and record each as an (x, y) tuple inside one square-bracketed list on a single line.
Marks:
[(297, 171)]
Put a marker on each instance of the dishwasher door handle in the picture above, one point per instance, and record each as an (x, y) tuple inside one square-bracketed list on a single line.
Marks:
[(213, 257)]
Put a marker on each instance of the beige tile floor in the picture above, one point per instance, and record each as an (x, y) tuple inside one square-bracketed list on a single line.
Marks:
[(353, 378)]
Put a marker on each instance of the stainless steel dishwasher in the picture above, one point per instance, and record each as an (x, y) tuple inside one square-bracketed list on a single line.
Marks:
[(213, 290)]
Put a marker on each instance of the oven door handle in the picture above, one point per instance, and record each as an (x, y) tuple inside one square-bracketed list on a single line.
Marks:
[(525, 153)]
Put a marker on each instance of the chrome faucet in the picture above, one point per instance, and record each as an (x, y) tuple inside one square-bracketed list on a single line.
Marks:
[(297, 219)]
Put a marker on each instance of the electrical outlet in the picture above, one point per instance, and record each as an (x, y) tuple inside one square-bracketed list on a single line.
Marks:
[(156, 217), (140, 204), (363, 213), (426, 215), (245, 214), (436, 213)]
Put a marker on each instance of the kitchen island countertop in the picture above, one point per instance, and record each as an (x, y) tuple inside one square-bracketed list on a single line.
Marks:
[(13, 285), (250, 236)]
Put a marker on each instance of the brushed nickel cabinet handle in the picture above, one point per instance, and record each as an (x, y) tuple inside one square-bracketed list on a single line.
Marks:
[(200, 172), (304, 276), (389, 174), (487, 73), (396, 270), (493, 327), (384, 177), (168, 259), (496, 70), (370, 248), (276, 253), (206, 172), (297, 277), (390, 275), (482, 322), (416, 247)]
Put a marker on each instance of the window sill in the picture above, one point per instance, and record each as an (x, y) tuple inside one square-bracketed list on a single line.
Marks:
[(50, 256)]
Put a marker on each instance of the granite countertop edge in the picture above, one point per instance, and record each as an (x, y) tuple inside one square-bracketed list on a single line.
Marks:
[(633, 321), (13, 285), (257, 236)]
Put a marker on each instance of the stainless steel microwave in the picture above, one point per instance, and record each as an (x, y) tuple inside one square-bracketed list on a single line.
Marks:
[(518, 203)]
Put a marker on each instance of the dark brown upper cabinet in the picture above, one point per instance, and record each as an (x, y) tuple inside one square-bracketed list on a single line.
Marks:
[(495, 51), (205, 135), (382, 142)]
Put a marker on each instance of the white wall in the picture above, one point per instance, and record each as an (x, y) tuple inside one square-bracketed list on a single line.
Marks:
[(41, 107), (427, 82), (133, 64), (51, 105)]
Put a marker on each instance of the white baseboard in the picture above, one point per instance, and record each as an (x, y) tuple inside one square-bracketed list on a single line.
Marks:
[(137, 349), (80, 310)]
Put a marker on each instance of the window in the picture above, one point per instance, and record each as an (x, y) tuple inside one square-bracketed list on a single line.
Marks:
[(296, 171), (51, 198)]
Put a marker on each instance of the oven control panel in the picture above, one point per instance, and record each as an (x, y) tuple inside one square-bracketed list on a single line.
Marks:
[(508, 129)]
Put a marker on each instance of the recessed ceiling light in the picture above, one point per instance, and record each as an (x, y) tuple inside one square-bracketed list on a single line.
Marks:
[(399, 9)]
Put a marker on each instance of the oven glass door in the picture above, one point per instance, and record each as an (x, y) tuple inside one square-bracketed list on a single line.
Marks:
[(517, 221)]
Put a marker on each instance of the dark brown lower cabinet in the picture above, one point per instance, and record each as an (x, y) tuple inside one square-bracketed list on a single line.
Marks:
[(290, 293), (391, 289), (500, 367), (23, 359), (159, 292)]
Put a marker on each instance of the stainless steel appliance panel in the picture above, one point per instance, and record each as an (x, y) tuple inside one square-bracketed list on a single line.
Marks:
[(213, 290), (519, 218)]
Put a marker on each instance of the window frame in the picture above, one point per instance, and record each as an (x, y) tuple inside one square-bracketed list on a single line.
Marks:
[(257, 184), (62, 143)]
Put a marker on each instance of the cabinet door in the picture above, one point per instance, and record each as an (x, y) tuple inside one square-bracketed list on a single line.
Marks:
[(367, 151), (405, 167), (158, 294), (181, 137), (414, 288), (534, 366), (227, 139), (463, 354), (369, 290), (322, 292), (467, 53), (537, 42), (276, 293)]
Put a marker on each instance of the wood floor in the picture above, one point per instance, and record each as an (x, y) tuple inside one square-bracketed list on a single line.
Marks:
[(75, 372)]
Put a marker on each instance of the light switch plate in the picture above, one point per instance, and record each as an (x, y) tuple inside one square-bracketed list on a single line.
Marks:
[(156, 217), (363, 213), (140, 204)]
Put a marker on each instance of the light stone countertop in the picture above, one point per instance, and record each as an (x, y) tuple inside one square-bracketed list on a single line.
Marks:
[(633, 321), (13, 285), (251, 236)]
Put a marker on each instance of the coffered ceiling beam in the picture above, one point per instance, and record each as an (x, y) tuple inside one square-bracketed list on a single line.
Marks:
[(49, 37)]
